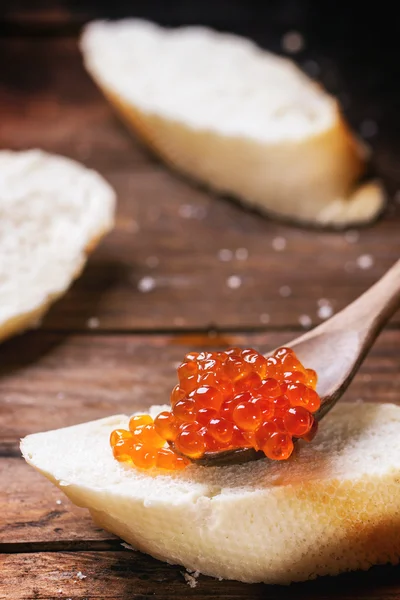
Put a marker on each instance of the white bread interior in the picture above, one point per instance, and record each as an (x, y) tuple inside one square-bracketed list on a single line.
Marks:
[(53, 212), (241, 120), (334, 507)]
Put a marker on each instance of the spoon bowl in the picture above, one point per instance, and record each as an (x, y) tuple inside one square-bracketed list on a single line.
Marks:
[(335, 350)]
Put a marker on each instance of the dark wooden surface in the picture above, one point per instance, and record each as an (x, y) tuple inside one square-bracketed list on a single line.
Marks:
[(169, 236)]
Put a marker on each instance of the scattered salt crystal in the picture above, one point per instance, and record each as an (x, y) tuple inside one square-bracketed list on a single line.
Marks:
[(279, 244), (312, 68), (325, 311), (93, 323), (351, 236), (292, 42), (192, 211), (234, 282), (368, 128), (152, 261), (80, 575), (305, 321), (365, 261), (225, 255), (265, 318), (285, 291), (58, 502), (146, 284), (242, 254)]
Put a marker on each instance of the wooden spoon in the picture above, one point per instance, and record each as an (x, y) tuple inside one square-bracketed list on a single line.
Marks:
[(335, 350)]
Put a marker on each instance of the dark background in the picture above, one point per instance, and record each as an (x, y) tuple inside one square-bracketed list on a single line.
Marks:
[(351, 47)]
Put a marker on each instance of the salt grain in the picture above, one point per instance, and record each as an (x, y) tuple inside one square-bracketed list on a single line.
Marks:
[(146, 284), (285, 291), (192, 211), (279, 244), (242, 254), (325, 311), (225, 255), (292, 42), (80, 575), (368, 128), (365, 261), (152, 261), (265, 318), (351, 236), (305, 321), (93, 323), (234, 282), (58, 502)]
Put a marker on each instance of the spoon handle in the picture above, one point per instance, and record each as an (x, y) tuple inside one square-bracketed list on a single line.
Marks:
[(369, 313)]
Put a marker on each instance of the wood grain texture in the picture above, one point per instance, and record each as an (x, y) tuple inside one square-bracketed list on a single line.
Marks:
[(49, 381), (169, 233), (127, 575)]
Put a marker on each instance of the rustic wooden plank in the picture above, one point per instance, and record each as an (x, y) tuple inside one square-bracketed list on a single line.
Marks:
[(180, 257), (32, 510), (49, 381), (129, 575)]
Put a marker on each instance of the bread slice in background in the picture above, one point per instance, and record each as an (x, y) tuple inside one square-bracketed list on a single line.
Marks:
[(53, 212), (334, 507), (241, 120)]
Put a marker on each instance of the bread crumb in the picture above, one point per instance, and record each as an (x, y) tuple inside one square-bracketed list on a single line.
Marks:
[(285, 291), (146, 284), (279, 244), (225, 255), (242, 254), (80, 575), (352, 236), (191, 577), (368, 128), (365, 261), (293, 42), (234, 282), (128, 546), (305, 321), (152, 261), (93, 323)]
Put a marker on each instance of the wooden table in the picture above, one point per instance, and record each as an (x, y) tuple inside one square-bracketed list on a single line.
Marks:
[(159, 285)]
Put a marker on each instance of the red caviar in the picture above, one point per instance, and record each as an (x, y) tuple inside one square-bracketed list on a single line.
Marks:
[(226, 400)]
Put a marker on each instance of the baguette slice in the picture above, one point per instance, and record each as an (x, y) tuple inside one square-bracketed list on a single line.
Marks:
[(241, 120), (334, 508), (53, 212)]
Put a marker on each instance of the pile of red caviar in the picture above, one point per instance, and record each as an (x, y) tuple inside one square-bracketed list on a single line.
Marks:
[(226, 400)]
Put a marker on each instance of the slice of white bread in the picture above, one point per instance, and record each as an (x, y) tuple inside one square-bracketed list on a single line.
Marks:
[(234, 117), (335, 507), (53, 212)]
